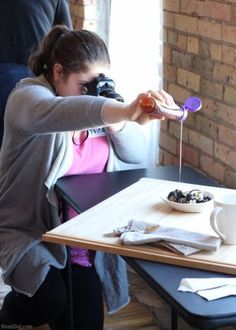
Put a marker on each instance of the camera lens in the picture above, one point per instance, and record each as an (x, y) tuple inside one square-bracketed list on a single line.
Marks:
[(103, 86), (111, 93)]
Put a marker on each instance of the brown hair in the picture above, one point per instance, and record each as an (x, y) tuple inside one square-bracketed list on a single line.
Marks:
[(74, 50)]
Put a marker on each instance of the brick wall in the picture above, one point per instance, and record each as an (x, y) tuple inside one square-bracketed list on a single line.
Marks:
[(200, 59)]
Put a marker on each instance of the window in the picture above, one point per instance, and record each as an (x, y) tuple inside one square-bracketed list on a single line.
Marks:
[(135, 44)]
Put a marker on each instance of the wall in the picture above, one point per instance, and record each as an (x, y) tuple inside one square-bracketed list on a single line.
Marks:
[(200, 59)]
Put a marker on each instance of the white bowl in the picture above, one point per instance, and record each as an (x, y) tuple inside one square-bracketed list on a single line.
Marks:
[(192, 207)]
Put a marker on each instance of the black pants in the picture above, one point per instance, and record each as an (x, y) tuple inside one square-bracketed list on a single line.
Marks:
[(48, 305)]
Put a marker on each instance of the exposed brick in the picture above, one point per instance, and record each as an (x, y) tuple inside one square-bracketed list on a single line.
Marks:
[(169, 159), (229, 34), (203, 66), (216, 52), (168, 143), (160, 157), (172, 38), (180, 94), (201, 142), (209, 88), (167, 54), (225, 154), (229, 95), (212, 168), (193, 45), (233, 11), (190, 121), (175, 130), (168, 19), (218, 11), (165, 34), (230, 179), (182, 42), (188, 79), (235, 58), (182, 60), (226, 114), (169, 72), (190, 155), (209, 107), (193, 7), (224, 74), (78, 10), (185, 23), (204, 49), (172, 5), (79, 2), (78, 24), (210, 29), (164, 125), (228, 54), (227, 136), (206, 126)]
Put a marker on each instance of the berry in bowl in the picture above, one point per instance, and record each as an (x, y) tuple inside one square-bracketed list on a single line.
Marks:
[(193, 201)]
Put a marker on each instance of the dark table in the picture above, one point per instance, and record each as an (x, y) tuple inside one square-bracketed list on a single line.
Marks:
[(84, 191)]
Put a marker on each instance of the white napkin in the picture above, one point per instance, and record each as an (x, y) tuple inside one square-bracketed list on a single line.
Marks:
[(209, 288), (179, 240)]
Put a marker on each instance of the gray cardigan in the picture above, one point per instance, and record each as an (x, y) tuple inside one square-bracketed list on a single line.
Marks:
[(36, 151)]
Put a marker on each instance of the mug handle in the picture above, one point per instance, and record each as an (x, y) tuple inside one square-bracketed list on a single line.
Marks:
[(213, 221)]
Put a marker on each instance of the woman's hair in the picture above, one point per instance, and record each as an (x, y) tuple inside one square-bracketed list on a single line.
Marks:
[(74, 50)]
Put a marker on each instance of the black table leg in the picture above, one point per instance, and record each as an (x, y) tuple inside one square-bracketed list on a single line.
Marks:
[(69, 307), (174, 320)]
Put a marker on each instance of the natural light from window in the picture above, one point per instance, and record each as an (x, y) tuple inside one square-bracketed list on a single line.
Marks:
[(136, 47)]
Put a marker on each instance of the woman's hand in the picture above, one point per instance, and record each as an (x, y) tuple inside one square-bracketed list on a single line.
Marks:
[(163, 97), (116, 112), (137, 113), (145, 117)]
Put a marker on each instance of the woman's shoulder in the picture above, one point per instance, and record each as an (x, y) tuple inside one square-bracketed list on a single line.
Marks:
[(33, 85), (33, 81), (28, 90)]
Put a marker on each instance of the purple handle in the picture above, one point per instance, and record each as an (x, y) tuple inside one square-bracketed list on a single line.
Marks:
[(192, 104)]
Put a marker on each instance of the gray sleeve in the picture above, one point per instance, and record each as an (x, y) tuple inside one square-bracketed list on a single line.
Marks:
[(35, 110), (129, 143)]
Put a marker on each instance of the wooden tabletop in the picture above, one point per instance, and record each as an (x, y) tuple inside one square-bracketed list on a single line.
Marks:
[(142, 201)]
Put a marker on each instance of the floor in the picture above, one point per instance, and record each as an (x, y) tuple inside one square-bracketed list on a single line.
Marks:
[(146, 311)]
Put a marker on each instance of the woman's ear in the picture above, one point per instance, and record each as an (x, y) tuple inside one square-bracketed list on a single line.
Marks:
[(57, 71)]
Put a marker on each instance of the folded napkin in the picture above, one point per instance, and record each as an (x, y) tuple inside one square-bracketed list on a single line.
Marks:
[(209, 288), (178, 240)]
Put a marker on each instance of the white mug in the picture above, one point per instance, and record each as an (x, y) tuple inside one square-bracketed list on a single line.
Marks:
[(223, 218)]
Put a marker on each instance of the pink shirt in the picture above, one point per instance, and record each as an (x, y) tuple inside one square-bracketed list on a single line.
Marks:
[(90, 156)]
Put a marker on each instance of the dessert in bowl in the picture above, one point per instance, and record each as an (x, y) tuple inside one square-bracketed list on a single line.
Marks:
[(192, 201)]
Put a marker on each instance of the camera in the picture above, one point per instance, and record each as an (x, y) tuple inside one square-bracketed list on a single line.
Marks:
[(103, 86)]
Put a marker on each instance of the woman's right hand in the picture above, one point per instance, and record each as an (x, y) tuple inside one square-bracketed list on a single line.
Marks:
[(116, 112), (138, 114)]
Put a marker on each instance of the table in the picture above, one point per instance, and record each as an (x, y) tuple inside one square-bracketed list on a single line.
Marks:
[(85, 191)]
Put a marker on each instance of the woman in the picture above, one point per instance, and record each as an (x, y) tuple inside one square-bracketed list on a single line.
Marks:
[(48, 134)]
